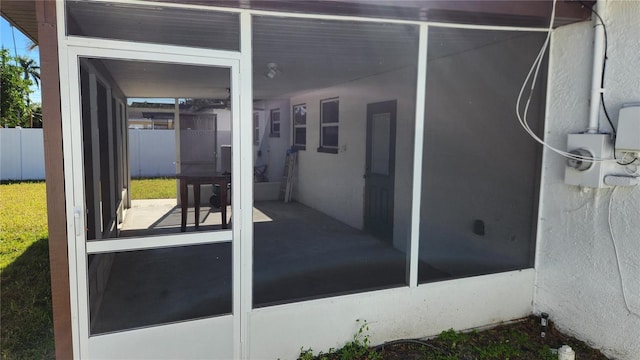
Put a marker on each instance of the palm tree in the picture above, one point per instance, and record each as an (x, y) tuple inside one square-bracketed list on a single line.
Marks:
[(30, 69)]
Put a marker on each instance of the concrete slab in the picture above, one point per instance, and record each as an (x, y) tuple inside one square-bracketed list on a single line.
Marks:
[(299, 254)]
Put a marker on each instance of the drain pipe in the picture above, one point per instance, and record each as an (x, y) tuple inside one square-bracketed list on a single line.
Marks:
[(598, 66)]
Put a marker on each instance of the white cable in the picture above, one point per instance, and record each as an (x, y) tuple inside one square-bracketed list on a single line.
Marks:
[(522, 119), (615, 249)]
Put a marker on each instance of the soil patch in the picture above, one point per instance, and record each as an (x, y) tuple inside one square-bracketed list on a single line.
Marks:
[(518, 340)]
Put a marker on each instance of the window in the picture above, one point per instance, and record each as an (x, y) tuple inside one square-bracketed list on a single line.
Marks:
[(300, 126), (275, 123), (329, 126), (256, 128)]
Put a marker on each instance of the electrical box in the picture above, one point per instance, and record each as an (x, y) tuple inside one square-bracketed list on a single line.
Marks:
[(628, 134), (598, 146)]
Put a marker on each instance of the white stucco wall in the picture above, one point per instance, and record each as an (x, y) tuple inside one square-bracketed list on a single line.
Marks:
[(273, 150), (334, 183), (577, 277)]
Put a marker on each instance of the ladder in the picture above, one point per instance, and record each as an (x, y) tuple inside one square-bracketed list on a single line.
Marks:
[(286, 185)]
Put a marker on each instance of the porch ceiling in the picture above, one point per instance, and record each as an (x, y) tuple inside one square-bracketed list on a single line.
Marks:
[(302, 49), (22, 14)]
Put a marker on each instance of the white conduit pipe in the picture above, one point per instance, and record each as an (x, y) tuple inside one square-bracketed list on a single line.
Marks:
[(598, 64)]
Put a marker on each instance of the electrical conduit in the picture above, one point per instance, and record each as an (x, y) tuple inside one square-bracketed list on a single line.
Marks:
[(598, 67)]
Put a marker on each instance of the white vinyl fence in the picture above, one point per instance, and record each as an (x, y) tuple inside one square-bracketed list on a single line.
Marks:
[(21, 154), (152, 153)]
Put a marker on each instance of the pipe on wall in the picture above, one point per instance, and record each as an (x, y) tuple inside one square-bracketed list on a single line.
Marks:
[(598, 66)]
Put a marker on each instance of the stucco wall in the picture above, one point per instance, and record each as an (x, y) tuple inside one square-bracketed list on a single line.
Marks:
[(577, 278), (273, 150)]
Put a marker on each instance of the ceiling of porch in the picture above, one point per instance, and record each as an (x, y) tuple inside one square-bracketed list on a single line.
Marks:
[(307, 53)]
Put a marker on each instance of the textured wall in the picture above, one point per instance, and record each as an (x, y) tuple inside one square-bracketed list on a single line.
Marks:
[(577, 279)]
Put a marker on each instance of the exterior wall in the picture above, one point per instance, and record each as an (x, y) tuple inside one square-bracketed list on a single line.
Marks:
[(334, 183), (273, 150), (21, 154), (577, 277), (278, 332)]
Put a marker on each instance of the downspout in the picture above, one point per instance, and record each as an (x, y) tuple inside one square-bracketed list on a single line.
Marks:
[(598, 66)]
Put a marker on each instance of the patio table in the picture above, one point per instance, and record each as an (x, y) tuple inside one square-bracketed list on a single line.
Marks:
[(197, 179)]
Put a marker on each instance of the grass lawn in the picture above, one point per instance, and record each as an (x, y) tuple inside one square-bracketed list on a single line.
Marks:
[(153, 188), (25, 293), (25, 296)]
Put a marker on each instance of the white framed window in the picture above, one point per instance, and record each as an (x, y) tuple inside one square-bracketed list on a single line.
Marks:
[(329, 119), (275, 123), (300, 126)]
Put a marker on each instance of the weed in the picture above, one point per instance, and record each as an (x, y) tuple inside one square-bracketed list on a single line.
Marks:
[(357, 348), (306, 354), (546, 354), (453, 338)]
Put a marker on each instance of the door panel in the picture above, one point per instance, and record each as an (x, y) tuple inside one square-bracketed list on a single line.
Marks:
[(169, 290), (198, 339), (380, 169)]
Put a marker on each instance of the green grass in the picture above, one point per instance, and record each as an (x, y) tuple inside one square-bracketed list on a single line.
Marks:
[(26, 317), (160, 188), (26, 331)]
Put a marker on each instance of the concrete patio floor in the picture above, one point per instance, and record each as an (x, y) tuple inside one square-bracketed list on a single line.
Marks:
[(299, 254)]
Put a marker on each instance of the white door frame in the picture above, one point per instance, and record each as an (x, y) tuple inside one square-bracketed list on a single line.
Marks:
[(198, 337)]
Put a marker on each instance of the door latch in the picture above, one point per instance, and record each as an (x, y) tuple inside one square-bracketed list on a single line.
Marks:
[(77, 222)]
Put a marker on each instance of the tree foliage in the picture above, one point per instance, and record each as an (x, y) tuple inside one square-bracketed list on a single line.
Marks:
[(14, 96)]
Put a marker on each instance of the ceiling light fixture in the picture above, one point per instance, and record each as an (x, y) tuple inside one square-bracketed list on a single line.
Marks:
[(272, 71)]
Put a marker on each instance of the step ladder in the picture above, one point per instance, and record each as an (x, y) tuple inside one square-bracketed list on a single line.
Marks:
[(286, 185)]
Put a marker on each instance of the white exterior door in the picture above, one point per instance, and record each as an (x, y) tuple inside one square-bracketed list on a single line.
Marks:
[(146, 283)]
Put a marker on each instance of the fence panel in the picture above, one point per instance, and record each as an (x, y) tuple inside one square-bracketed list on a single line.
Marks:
[(152, 153), (21, 154)]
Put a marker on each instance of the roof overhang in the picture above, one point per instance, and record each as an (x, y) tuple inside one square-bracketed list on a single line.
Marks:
[(534, 13), (22, 15)]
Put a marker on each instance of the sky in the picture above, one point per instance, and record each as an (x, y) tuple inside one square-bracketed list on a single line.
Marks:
[(22, 47)]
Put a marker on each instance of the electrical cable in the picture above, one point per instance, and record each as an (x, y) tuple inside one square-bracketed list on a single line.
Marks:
[(627, 170), (604, 70), (604, 64), (522, 118), (615, 249), (410, 341)]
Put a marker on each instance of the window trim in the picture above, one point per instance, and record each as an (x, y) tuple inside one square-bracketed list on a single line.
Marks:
[(272, 133), (329, 149), (295, 126)]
